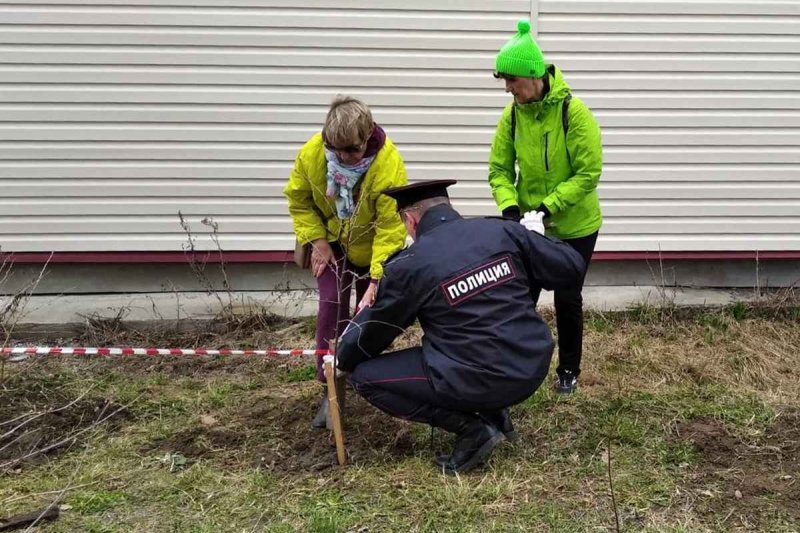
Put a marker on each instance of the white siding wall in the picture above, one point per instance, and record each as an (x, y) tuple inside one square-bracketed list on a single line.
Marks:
[(699, 102), (118, 113), (115, 114)]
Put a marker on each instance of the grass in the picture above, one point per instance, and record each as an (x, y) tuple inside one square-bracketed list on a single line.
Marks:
[(95, 502), (649, 380), (301, 373)]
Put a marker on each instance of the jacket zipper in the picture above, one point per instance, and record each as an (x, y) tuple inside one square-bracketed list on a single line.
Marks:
[(546, 162)]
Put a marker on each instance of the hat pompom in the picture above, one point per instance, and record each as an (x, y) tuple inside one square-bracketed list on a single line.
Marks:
[(521, 56)]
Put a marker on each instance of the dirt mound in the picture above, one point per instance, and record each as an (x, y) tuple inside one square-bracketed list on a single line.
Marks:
[(38, 421), (274, 431), (745, 479)]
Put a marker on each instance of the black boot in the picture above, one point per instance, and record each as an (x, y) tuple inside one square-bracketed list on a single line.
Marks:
[(321, 419), (501, 419), (475, 441)]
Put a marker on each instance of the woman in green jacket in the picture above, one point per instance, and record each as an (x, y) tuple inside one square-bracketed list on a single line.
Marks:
[(336, 205), (554, 140)]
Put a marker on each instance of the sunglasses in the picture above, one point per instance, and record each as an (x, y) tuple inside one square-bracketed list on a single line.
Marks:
[(352, 149), (507, 77)]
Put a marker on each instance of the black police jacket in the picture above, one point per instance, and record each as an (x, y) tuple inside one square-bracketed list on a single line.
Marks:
[(468, 281)]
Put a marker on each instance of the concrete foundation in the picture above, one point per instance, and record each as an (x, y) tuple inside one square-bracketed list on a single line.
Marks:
[(85, 278), (147, 291), (720, 274), (134, 307)]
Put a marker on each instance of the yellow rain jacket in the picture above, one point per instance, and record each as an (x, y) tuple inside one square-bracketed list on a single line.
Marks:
[(375, 230)]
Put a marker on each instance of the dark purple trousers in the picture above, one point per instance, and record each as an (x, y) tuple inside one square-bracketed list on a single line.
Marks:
[(335, 286)]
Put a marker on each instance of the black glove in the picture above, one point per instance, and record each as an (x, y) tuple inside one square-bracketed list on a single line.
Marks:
[(543, 209), (513, 213)]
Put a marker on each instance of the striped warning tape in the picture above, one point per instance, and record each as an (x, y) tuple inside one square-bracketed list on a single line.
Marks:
[(128, 351)]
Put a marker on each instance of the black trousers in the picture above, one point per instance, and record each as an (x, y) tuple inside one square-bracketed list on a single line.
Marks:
[(396, 384), (569, 312)]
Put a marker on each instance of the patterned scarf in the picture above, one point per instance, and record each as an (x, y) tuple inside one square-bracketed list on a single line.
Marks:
[(342, 179)]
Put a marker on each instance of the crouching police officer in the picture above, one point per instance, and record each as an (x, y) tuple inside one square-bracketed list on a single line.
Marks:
[(484, 348)]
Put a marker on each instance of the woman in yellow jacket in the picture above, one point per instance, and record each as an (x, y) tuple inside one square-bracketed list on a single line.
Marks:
[(336, 205)]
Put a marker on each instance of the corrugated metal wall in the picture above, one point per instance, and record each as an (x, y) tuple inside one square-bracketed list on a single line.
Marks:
[(700, 107), (115, 114)]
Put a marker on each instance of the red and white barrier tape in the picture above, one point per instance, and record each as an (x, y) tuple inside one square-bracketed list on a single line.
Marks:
[(126, 351)]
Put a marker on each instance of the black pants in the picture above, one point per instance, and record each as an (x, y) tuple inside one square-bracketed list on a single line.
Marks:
[(396, 384), (569, 312)]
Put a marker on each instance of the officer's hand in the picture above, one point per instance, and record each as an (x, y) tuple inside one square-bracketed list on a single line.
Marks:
[(369, 296), (321, 256), (532, 220), (331, 359)]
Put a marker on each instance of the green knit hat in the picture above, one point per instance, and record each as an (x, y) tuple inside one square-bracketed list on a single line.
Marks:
[(520, 56)]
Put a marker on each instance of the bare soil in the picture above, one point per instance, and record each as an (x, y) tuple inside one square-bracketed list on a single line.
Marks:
[(200, 367), (274, 431), (38, 421), (741, 478)]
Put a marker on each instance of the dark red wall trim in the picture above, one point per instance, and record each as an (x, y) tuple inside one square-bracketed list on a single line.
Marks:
[(695, 256), (286, 257), (147, 257)]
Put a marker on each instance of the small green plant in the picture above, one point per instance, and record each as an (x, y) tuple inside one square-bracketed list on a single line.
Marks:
[(680, 454), (318, 522), (601, 324), (642, 312), (309, 325), (301, 373), (159, 379), (328, 513), (636, 344), (715, 324), (96, 502), (715, 321), (218, 395), (739, 311)]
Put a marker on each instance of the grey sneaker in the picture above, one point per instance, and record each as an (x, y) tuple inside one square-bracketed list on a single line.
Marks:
[(567, 383)]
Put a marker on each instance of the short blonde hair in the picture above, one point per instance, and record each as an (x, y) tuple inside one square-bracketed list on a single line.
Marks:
[(349, 122)]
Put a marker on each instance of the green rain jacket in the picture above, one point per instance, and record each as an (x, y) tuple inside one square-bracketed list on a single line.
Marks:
[(560, 173), (375, 230)]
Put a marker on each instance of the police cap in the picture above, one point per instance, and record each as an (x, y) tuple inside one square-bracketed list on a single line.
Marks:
[(416, 192)]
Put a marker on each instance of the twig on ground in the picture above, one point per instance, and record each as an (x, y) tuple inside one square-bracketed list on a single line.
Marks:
[(35, 416), (611, 490), (29, 520), (12, 311), (5, 467)]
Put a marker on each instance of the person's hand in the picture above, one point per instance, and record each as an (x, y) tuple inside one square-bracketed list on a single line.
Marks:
[(512, 212), (369, 296), (321, 256), (532, 220)]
